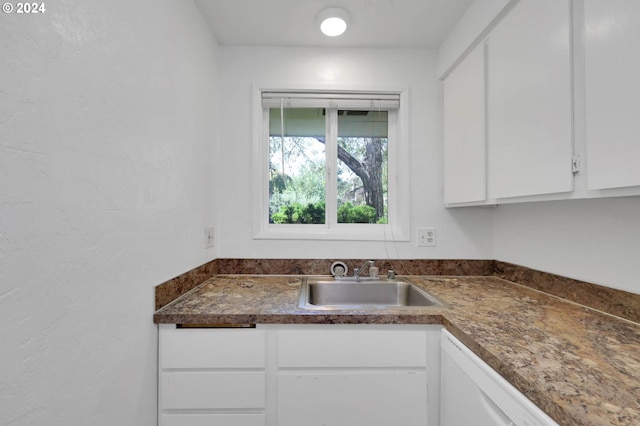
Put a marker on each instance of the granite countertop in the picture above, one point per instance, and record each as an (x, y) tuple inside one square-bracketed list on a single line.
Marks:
[(579, 365)]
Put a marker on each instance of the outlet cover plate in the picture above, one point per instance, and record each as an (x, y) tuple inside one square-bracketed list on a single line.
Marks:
[(209, 237), (426, 237)]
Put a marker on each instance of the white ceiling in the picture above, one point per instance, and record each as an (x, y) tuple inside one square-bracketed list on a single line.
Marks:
[(374, 23)]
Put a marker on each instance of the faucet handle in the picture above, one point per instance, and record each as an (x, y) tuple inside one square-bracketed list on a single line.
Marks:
[(374, 272)]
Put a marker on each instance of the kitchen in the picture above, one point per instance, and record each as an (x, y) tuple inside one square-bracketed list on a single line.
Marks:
[(122, 123)]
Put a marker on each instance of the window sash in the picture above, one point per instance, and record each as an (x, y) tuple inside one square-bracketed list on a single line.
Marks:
[(398, 218), (331, 173)]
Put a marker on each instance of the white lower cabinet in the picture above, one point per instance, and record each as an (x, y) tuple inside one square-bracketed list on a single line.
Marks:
[(331, 375), (281, 375), (370, 375), (211, 377)]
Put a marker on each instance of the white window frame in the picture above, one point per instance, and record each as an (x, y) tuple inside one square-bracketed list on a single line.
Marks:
[(397, 228)]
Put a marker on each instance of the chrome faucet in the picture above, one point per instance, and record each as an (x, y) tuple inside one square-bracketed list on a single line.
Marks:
[(356, 271)]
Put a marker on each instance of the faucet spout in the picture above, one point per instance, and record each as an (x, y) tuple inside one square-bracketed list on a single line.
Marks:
[(356, 271)]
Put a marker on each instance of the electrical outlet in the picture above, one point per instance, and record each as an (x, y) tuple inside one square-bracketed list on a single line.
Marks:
[(209, 237), (426, 237)]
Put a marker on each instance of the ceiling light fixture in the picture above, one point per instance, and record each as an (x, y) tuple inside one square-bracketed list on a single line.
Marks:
[(333, 21)]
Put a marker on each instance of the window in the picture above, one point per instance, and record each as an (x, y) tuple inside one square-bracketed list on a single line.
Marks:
[(329, 166)]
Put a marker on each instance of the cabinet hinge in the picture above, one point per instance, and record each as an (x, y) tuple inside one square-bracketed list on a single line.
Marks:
[(576, 164)]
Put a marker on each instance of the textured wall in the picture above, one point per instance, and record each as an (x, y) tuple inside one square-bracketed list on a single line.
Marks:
[(107, 126)]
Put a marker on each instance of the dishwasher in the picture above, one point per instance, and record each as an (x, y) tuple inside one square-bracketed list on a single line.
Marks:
[(474, 394)]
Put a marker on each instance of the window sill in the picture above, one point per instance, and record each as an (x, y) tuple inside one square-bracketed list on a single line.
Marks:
[(340, 233)]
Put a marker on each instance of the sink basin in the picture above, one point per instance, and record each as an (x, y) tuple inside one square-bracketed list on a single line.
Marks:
[(328, 293)]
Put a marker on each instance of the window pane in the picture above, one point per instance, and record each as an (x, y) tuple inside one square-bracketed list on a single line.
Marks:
[(297, 165), (362, 166)]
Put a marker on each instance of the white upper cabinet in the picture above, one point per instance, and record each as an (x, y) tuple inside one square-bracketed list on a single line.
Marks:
[(612, 70), (529, 102), (465, 164), (544, 103)]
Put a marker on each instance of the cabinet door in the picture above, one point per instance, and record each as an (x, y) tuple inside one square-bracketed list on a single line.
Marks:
[(352, 398), (458, 390), (465, 170), (530, 101), (474, 394), (612, 67), (364, 374)]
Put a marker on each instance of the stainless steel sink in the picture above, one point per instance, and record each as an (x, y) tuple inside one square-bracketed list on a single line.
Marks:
[(322, 293)]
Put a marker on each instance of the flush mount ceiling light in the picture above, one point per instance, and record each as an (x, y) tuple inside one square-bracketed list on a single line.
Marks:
[(333, 21)]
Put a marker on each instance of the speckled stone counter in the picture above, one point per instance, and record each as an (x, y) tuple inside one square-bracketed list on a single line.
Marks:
[(579, 365)]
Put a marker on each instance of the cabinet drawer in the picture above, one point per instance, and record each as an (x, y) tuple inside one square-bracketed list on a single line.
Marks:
[(211, 348), (212, 420), (212, 389), (352, 346)]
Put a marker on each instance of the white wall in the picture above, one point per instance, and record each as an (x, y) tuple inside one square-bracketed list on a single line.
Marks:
[(595, 240), (107, 125), (461, 234)]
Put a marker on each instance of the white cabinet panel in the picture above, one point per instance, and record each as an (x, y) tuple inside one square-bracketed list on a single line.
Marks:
[(212, 390), (211, 377), (357, 375), (212, 420), (465, 170), (212, 348), (530, 101), (612, 70), (459, 389), (313, 374), (352, 346), (345, 398)]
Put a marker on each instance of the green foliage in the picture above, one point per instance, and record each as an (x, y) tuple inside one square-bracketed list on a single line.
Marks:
[(298, 181), (284, 215), (313, 213), (278, 182), (297, 213), (297, 176), (348, 213)]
